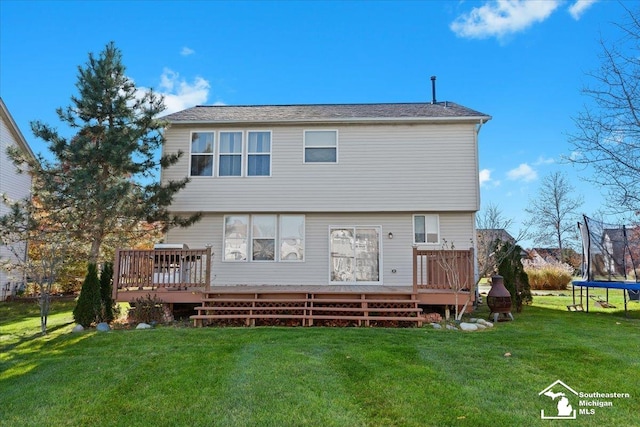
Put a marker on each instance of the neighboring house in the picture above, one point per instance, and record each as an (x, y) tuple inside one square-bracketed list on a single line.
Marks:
[(489, 235), (327, 195), (14, 186)]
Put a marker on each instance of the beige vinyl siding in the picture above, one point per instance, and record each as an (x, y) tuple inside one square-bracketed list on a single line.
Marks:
[(16, 186), (383, 167), (396, 252)]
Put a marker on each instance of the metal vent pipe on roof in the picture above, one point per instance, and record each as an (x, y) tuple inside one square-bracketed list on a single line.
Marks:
[(433, 89)]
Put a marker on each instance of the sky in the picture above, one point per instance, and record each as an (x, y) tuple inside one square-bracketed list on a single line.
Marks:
[(522, 62)]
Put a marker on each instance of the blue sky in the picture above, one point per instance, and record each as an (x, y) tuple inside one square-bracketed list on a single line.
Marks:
[(522, 62)]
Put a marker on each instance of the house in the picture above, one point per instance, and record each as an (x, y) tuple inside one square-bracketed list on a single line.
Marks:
[(348, 199), (14, 186)]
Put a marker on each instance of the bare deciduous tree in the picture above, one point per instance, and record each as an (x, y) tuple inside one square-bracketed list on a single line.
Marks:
[(49, 245), (554, 212), (493, 228), (607, 136)]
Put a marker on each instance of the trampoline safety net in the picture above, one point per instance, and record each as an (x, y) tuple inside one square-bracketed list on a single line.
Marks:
[(609, 252)]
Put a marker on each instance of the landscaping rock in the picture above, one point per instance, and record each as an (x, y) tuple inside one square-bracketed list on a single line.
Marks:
[(143, 326), (77, 328), (485, 323), (451, 327), (103, 327), (436, 326), (468, 326), (480, 326)]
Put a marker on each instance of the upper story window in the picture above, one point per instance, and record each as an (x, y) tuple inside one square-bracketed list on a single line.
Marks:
[(426, 229), (234, 153), (259, 154), (202, 149), (230, 156), (321, 146)]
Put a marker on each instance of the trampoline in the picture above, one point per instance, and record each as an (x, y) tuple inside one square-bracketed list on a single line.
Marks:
[(610, 256)]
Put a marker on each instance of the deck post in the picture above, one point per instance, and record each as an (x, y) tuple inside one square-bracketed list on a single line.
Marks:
[(208, 270), (116, 276), (415, 270)]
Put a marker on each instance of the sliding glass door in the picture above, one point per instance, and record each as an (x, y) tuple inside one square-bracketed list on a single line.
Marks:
[(355, 254)]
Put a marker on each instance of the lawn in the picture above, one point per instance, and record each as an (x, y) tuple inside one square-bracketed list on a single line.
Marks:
[(174, 376)]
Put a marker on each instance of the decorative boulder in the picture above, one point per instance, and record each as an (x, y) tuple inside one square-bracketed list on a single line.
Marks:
[(485, 323), (77, 328), (468, 326), (103, 327), (143, 326), (451, 327), (436, 326)]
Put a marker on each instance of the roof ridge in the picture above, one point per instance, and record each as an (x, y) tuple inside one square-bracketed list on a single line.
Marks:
[(330, 104)]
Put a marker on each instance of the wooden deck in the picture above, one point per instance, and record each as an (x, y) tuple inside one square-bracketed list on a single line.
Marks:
[(184, 276)]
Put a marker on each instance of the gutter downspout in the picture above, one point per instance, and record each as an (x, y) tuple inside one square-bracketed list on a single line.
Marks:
[(476, 273)]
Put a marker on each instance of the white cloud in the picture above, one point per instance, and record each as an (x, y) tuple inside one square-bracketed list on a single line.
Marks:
[(499, 18), (186, 51), (544, 161), (486, 180), (524, 172), (577, 9), (485, 176), (180, 94)]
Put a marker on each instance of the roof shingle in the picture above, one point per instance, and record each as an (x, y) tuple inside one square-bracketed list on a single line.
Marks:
[(324, 112)]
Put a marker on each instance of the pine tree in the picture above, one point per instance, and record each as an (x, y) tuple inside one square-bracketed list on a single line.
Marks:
[(515, 278), (89, 307), (101, 182), (106, 287)]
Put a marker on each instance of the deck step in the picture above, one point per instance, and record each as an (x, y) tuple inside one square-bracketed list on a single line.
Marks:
[(308, 307)]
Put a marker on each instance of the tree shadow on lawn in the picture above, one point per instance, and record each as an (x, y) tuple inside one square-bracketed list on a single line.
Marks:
[(26, 338)]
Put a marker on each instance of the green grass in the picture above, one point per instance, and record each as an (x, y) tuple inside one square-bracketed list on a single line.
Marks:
[(173, 376)]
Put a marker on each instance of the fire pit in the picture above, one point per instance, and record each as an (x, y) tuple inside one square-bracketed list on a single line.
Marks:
[(499, 300)]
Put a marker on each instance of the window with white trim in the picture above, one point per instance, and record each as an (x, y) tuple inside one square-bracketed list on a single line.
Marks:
[(264, 238), (320, 146), (291, 237), (230, 155), (202, 149), (259, 153), (236, 233), (426, 229)]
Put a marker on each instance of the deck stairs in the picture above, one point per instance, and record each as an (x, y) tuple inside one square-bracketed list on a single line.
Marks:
[(308, 309)]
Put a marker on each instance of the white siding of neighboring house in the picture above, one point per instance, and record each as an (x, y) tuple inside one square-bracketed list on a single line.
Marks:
[(396, 252), (16, 186), (381, 167)]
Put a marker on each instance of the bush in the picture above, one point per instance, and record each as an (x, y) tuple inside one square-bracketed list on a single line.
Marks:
[(551, 276), (515, 277), (89, 307), (106, 287), (146, 310)]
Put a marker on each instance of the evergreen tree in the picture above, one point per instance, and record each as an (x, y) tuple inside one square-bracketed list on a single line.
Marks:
[(101, 181), (515, 278), (106, 288), (89, 307)]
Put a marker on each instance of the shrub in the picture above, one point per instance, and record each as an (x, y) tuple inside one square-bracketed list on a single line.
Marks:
[(106, 287), (89, 306), (551, 276), (148, 309), (512, 270)]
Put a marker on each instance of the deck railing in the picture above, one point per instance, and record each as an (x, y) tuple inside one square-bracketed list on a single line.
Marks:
[(443, 269), (161, 269)]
